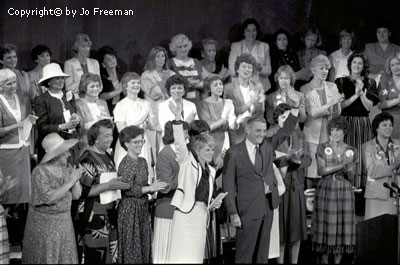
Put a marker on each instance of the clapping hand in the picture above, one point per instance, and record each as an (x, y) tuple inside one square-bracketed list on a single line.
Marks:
[(75, 174), (296, 155), (175, 109), (158, 185), (359, 87), (293, 96)]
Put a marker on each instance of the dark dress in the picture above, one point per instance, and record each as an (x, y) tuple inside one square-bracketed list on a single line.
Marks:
[(333, 219), (49, 234), (97, 222), (134, 231), (360, 130), (292, 210)]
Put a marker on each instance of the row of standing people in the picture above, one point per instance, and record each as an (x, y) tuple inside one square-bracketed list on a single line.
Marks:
[(389, 94)]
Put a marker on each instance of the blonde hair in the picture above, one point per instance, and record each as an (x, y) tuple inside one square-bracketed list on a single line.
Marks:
[(5, 75), (179, 38)]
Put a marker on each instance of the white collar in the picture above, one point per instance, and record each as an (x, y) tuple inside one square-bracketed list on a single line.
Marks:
[(58, 95)]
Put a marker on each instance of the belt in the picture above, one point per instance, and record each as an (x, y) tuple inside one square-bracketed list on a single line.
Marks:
[(334, 176)]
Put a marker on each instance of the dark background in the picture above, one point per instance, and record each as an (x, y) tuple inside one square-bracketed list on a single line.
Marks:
[(156, 21)]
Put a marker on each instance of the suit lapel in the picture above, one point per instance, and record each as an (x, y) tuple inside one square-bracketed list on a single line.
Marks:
[(244, 154)]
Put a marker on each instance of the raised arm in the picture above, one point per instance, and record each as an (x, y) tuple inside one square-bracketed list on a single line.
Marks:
[(182, 152)]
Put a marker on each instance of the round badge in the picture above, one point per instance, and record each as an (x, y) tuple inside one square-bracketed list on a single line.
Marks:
[(328, 151), (349, 153), (279, 96), (279, 102)]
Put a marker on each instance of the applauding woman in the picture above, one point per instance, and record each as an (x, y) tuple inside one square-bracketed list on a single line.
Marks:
[(49, 233), (360, 94), (333, 219), (134, 223), (382, 159), (96, 217)]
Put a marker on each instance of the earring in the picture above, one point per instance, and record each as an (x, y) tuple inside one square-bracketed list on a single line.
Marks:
[(96, 142)]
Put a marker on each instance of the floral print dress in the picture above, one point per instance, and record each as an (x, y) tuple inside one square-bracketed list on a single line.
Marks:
[(134, 230)]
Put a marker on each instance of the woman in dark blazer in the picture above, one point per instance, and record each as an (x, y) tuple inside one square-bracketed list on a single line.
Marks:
[(56, 110)]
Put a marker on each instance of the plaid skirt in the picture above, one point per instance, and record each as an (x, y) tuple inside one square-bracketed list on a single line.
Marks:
[(359, 132), (333, 218), (4, 247)]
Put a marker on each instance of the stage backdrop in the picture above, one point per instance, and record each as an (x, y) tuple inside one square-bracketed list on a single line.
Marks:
[(154, 22)]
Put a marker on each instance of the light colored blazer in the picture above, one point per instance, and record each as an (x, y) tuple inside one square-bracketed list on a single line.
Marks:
[(378, 171), (73, 68), (260, 52), (189, 176), (165, 114), (316, 111)]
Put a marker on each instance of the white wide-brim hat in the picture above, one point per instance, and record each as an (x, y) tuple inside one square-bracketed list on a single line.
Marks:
[(54, 145), (52, 70)]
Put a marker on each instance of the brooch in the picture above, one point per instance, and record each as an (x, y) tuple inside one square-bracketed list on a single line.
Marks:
[(328, 151), (349, 153)]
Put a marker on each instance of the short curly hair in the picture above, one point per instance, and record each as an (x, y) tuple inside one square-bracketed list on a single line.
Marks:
[(338, 122), (88, 78), (287, 70), (177, 39), (38, 50), (245, 58), (320, 60), (103, 51), (128, 133), (365, 70), (198, 127), (209, 80), (383, 116), (279, 110), (176, 80), (94, 131)]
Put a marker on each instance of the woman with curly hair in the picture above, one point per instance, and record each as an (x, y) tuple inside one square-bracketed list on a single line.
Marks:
[(333, 219), (247, 97)]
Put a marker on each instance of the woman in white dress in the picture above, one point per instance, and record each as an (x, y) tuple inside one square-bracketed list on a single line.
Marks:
[(133, 110), (176, 86)]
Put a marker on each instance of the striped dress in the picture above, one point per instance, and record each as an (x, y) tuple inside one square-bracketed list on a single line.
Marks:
[(190, 68), (4, 247), (360, 130), (333, 220)]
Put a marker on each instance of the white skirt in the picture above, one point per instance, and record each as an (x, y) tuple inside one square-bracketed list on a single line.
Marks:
[(189, 231), (161, 240)]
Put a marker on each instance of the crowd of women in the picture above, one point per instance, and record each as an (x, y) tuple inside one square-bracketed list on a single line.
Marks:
[(100, 166)]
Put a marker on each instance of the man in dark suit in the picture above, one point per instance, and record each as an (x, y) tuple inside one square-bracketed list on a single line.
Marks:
[(249, 179)]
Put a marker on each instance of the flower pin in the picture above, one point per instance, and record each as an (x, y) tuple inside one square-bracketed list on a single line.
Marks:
[(384, 92), (328, 151)]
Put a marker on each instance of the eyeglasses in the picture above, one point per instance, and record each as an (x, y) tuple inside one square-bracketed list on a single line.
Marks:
[(138, 141)]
